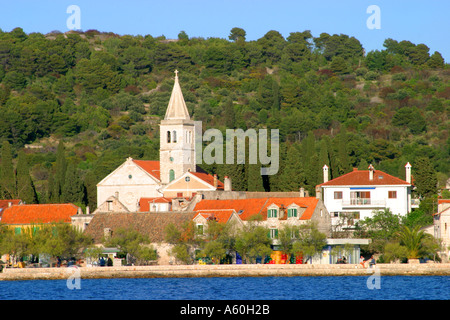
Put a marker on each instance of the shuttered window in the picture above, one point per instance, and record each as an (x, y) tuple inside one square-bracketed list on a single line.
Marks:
[(271, 213), (292, 212)]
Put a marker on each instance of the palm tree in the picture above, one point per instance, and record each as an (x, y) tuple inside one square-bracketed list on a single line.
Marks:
[(412, 240)]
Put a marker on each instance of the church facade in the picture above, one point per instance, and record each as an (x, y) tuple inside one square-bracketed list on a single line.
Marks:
[(175, 175)]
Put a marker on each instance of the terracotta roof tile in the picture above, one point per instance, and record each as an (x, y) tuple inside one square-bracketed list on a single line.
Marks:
[(361, 178), (309, 203), (221, 215), (150, 166), (247, 208), (144, 203), (208, 179), (39, 213)]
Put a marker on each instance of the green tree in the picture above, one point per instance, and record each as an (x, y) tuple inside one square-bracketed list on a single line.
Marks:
[(15, 242), (382, 227), (25, 186), (394, 252), (310, 241), (184, 241), (253, 242), (60, 240), (412, 240), (8, 181), (73, 190), (59, 173), (131, 242), (436, 61), (425, 178), (237, 34)]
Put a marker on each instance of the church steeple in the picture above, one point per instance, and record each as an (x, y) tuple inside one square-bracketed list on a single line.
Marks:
[(177, 109), (177, 138)]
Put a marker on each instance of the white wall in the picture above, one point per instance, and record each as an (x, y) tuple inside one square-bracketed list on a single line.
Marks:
[(378, 200), (131, 182)]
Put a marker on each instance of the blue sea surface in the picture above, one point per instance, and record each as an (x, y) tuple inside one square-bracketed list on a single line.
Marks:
[(234, 288)]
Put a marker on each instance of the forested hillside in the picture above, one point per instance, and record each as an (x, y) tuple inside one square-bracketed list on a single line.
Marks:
[(102, 96)]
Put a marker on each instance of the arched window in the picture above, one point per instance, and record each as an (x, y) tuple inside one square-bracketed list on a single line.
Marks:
[(174, 136), (171, 175), (168, 136)]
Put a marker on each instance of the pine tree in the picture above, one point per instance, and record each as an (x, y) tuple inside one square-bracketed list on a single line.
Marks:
[(254, 178), (292, 171), (8, 180), (60, 174), (73, 190), (343, 158), (425, 178), (25, 187), (229, 114)]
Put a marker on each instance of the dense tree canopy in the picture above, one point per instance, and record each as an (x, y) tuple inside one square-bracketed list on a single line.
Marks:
[(103, 96)]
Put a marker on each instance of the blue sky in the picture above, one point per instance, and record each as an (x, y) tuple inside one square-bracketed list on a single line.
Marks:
[(425, 22)]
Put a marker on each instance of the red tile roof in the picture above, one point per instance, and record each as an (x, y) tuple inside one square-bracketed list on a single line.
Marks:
[(5, 203), (153, 168), (247, 208), (144, 203), (208, 179), (221, 215), (361, 178), (309, 203), (150, 166), (39, 213)]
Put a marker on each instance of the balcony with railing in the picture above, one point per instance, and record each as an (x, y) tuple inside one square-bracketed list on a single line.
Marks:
[(363, 202)]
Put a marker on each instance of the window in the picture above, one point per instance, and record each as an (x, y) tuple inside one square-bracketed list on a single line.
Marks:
[(392, 194), (171, 175), (200, 229), (174, 136), (273, 233), (293, 212), (272, 213), (338, 194), (359, 197), (17, 230), (168, 136)]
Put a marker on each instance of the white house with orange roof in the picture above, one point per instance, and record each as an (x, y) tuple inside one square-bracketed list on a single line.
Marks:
[(175, 175), (357, 194)]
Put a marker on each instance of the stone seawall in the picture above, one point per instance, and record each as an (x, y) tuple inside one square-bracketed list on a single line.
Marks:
[(243, 270)]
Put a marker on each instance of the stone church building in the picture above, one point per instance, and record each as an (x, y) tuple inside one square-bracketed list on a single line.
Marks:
[(174, 179)]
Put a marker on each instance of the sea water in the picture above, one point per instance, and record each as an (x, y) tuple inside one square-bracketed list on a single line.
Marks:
[(233, 288)]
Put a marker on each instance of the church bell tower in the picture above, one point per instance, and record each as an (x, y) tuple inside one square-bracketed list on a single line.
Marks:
[(177, 138)]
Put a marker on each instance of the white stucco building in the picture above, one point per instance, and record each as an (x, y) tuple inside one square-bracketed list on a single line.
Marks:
[(441, 227), (357, 194)]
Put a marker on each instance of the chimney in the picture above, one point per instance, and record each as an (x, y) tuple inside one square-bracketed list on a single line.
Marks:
[(227, 183), (9, 204), (408, 172), (215, 180), (302, 192), (371, 171), (79, 211), (87, 210), (325, 173), (318, 192), (107, 233), (116, 194)]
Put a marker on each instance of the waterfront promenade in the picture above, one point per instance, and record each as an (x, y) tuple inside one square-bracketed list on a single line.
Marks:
[(231, 270)]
